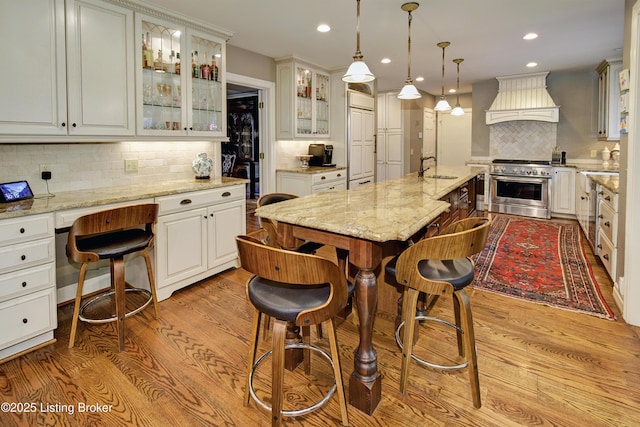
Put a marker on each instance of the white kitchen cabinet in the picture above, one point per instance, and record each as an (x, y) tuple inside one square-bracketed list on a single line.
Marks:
[(303, 184), (390, 137), (195, 236), (609, 100), (564, 191), (302, 100), (79, 85), (586, 205), (181, 80), (27, 284), (607, 229), (361, 144)]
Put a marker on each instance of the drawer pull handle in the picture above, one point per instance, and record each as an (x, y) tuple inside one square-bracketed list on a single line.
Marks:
[(606, 256), (185, 201), (608, 198), (607, 224), (323, 177), (599, 246), (600, 216), (24, 284), (339, 175), (22, 230), (226, 194), (23, 257), (25, 320)]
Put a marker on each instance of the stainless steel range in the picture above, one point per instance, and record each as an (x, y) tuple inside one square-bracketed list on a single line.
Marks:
[(520, 187)]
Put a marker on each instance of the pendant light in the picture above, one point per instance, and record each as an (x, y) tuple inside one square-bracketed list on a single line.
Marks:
[(409, 91), (358, 71), (442, 104), (457, 110)]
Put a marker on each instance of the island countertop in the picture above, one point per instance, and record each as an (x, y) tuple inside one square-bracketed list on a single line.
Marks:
[(107, 195), (389, 210)]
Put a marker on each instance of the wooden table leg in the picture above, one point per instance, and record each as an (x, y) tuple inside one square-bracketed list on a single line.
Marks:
[(365, 385)]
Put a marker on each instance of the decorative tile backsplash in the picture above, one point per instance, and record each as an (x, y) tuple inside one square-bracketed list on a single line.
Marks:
[(95, 165), (523, 139)]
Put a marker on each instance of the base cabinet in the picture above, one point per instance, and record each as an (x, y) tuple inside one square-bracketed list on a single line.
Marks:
[(196, 236), (607, 230), (303, 184), (564, 191), (27, 284)]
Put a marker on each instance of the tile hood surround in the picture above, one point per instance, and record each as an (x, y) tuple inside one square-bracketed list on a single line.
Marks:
[(523, 97)]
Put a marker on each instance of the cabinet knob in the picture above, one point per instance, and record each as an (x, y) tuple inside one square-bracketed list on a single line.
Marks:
[(599, 246), (339, 175), (25, 320), (63, 124), (22, 230), (24, 284), (323, 177), (600, 216), (73, 125), (23, 257), (606, 256), (607, 224)]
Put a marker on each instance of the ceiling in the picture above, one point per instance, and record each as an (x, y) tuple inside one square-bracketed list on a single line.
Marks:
[(487, 34)]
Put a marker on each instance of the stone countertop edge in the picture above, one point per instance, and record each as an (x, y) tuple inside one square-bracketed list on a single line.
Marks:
[(311, 169), (107, 195), (389, 210), (610, 182)]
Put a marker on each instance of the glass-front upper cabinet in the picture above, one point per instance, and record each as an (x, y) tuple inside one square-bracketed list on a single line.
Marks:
[(303, 101), (181, 80)]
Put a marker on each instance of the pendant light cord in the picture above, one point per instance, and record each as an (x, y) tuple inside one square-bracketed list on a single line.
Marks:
[(442, 82), (409, 50), (358, 55)]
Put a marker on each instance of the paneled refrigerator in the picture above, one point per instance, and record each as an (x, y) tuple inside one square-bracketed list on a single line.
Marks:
[(361, 143)]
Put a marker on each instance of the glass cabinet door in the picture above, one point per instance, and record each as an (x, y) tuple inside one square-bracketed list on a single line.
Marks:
[(312, 103), (162, 81), (304, 80), (322, 104), (206, 78)]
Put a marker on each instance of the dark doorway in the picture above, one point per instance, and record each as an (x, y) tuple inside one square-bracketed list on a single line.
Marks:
[(244, 139)]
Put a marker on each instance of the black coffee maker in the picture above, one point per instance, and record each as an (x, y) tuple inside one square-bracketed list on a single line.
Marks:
[(322, 155)]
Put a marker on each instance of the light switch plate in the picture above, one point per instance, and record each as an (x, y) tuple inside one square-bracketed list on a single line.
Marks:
[(131, 165)]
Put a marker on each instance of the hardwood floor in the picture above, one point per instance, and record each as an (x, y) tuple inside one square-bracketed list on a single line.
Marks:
[(538, 366)]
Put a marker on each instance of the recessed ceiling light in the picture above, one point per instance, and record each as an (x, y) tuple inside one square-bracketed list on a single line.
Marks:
[(385, 60), (452, 91), (420, 79), (324, 28), (532, 64), (530, 36)]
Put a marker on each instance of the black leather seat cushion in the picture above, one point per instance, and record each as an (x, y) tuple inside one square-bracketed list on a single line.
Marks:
[(285, 301), (459, 272), (117, 243)]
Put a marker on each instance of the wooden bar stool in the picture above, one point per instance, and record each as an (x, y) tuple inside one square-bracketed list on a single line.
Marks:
[(441, 266), (112, 234), (294, 289)]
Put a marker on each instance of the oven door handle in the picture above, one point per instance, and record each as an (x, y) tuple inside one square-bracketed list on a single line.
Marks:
[(519, 178)]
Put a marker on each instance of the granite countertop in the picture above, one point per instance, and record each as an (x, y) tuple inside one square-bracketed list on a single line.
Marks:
[(311, 169), (389, 210), (107, 195), (610, 182)]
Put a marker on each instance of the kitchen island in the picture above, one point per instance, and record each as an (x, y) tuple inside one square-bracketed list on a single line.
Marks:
[(364, 223)]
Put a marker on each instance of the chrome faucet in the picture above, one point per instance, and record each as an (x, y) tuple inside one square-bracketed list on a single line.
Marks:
[(421, 171)]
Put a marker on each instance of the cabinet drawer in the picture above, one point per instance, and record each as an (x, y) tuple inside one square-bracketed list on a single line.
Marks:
[(27, 254), (27, 316), (608, 222), (322, 178), (26, 281), (339, 185), (608, 197), (196, 199), (25, 228), (65, 219), (607, 253)]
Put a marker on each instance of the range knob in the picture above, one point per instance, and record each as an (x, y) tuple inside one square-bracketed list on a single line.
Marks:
[(529, 172)]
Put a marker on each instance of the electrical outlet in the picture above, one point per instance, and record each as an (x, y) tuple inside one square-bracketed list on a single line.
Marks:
[(594, 153), (131, 165), (45, 168)]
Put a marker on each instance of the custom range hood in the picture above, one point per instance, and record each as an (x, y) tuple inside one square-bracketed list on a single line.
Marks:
[(523, 97)]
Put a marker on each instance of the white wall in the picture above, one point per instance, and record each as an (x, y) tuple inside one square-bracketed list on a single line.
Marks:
[(454, 138)]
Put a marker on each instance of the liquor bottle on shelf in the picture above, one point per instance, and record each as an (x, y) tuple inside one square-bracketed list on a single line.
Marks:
[(144, 52), (195, 70), (214, 69), (158, 64), (177, 67), (148, 52), (205, 70), (171, 65)]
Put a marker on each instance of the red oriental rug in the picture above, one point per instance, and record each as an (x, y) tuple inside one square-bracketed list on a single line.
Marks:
[(540, 261)]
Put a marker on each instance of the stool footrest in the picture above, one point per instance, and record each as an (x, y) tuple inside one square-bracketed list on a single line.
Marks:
[(422, 361), (107, 294)]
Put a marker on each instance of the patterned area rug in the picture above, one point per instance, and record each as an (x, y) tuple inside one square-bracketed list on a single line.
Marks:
[(539, 261)]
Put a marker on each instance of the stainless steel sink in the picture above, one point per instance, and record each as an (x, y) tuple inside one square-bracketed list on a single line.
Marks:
[(441, 176)]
